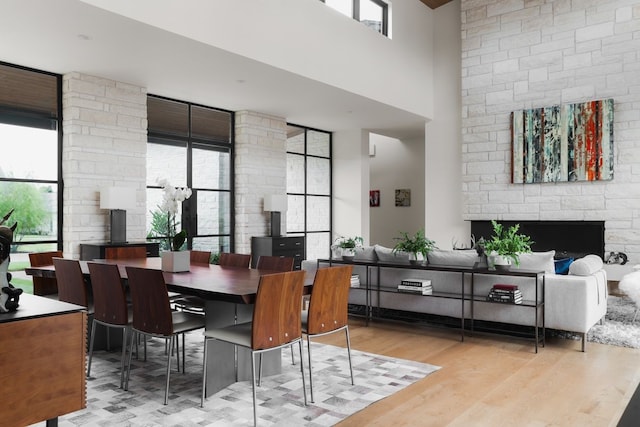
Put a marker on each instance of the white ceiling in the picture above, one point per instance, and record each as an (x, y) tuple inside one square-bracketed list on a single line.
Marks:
[(63, 36)]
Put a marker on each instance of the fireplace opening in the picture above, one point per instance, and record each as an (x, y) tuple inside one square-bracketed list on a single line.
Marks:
[(573, 239)]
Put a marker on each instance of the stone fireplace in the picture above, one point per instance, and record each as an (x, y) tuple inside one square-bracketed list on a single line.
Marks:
[(568, 238)]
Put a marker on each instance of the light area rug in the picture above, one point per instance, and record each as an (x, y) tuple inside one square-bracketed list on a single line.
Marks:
[(280, 399), (619, 328)]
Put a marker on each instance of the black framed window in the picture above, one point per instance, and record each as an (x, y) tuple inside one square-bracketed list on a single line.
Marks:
[(372, 13), (30, 164), (192, 145), (309, 188)]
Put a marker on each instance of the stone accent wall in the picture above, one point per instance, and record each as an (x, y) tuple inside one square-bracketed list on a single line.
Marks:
[(520, 54), (104, 144), (260, 168)]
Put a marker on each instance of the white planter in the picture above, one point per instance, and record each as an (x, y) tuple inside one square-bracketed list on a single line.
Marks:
[(175, 262), (500, 262)]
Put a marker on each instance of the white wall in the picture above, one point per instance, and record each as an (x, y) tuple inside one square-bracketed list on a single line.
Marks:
[(519, 54), (309, 39), (396, 165), (444, 221), (351, 184)]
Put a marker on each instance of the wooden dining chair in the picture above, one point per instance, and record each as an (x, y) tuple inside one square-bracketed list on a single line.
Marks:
[(234, 260), (44, 285), (275, 263), (125, 252), (71, 285), (275, 324), (328, 309), (200, 257), (109, 307), (152, 316)]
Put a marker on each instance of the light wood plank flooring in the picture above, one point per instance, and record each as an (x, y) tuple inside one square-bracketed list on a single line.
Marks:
[(493, 380)]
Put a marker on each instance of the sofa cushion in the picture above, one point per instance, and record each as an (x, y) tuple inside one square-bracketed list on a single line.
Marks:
[(455, 258), (387, 255), (538, 261), (585, 266), (366, 254)]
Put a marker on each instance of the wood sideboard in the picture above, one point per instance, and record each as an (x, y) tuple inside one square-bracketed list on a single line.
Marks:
[(42, 361)]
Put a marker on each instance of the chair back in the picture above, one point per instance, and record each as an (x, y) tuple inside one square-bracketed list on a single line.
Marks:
[(234, 260), (151, 309), (276, 313), (109, 298), (200, 257), (71, 285), (275, 263), (44, 285), (125, 252), (328, 306)]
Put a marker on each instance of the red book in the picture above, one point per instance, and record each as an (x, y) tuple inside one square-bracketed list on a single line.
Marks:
[(505, 287)]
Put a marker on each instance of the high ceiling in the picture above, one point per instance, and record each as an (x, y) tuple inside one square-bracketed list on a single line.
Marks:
[(70, 35)]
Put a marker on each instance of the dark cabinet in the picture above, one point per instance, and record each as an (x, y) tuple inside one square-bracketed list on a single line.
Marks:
[(278, 246), (89, 251)]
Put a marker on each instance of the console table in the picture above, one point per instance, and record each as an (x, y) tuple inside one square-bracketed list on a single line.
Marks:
[(283, 246), (43, 361), (91, 251), (372, 310)]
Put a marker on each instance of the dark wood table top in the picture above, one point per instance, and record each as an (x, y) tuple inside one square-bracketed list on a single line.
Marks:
[(33, 306), (213, 282)]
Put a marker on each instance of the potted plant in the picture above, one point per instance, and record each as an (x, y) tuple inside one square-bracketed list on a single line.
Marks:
[(505, 245), (348, 246), (415, 245), (174, 260)]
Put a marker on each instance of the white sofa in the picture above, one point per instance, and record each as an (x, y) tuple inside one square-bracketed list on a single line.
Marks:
[(573, 302)]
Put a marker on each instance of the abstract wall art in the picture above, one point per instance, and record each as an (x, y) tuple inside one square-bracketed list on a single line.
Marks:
[(572, 142)]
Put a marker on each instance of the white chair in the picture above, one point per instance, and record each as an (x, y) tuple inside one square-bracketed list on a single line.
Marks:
[(630, 285)]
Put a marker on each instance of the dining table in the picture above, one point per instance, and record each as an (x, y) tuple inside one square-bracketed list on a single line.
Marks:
[(229, 294)]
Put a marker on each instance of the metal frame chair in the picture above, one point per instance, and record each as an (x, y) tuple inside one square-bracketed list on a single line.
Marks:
[(276, 324), (109, 307), (275, 263), (328, 309), (152, 316), (71, 285), (44, 285), (234, 260)]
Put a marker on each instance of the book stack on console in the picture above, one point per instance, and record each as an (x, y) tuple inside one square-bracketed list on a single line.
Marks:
[(416, 286), (355, 281), (509, 294)]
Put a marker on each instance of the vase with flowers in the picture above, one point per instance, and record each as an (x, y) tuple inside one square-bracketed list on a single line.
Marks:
[(175, 259), (348, 246)]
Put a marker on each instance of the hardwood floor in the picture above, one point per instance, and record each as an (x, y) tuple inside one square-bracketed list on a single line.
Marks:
[(491, 380)]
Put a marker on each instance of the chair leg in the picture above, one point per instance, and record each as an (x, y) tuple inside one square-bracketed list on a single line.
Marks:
[(183, 354), (125, 337), (93, 335), (177, 342), (293, 360), (204, 373), (260, 370), (636, 314), (304, 386), (346, 330), (310, 373), (253, 388), (134, 335), (166, 390)]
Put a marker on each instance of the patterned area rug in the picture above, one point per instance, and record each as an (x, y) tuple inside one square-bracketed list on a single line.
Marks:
[(280, 401), (619, 327)]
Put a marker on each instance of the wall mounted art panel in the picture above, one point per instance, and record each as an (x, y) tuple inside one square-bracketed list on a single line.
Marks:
[(572, 142)]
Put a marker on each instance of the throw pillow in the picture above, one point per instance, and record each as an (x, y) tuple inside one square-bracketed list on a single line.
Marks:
[(455, 258), (538, 261), (387, 255), (562, 265), (366, 254), (586, 265)]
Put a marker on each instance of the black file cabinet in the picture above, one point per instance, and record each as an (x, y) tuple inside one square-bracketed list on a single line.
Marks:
[(278, 246)]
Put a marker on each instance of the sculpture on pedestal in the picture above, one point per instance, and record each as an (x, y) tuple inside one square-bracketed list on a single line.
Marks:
[(9, 295)]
